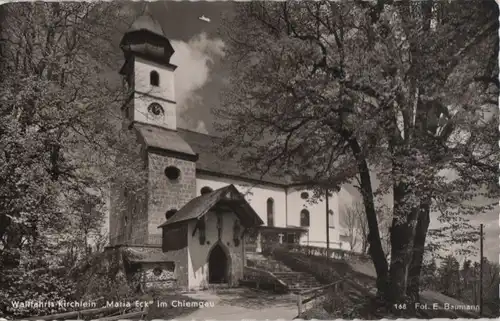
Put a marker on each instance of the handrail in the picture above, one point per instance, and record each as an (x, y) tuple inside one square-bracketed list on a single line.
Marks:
[(300, 295), (324, 287), (270, 274)]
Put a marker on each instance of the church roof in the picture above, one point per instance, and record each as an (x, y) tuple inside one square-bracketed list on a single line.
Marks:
[(157, 137), (209, 160), (199, 206)]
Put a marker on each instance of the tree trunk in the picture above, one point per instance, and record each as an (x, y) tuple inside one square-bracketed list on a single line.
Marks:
[(402, 236), (423, 222), (375, 245)]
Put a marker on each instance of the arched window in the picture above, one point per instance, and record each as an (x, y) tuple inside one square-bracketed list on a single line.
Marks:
[(206, 190), (270, 212), (304, 218), (154, 78)]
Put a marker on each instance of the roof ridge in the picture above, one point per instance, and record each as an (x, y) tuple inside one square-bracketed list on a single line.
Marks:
[(195, 132)]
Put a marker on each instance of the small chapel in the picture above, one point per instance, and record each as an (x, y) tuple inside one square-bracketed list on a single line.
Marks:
[(199, 215)]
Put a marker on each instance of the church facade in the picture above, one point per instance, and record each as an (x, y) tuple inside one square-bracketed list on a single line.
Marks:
[(199, 214)]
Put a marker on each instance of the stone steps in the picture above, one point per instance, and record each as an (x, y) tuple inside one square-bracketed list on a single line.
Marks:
[(261, 262), (296, 281)]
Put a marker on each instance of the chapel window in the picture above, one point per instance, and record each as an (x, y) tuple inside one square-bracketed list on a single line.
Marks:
[(304, 218), (270, 212)]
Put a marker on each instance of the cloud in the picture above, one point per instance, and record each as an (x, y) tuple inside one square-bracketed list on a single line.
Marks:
[(195, 60)]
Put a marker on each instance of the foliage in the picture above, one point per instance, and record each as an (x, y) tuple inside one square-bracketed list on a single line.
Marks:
[(59, 140), (462, 282), (449, 273), (321, 90)]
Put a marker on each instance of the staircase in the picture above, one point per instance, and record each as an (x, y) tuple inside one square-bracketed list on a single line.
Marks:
[(260, 261), (296, 281)]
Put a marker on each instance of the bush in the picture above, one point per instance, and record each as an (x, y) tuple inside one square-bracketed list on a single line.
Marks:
[(37, 285)]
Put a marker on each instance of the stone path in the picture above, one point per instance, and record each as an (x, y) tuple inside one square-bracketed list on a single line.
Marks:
[(240, 304)]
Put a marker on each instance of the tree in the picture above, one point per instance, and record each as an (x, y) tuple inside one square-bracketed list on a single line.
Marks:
[(59, 138), (354, 219), (351, 219), (429, 274), (449, 274), (323, 90)]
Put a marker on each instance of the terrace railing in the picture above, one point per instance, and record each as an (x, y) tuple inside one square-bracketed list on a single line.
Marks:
[(311, 250)]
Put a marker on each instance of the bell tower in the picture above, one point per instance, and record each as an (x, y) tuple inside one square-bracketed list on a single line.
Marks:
[(148, 74), (150, 111)]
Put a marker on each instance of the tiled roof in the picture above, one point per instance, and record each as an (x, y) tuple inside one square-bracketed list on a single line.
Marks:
[(200, 205), (207, 148), (157, 137)]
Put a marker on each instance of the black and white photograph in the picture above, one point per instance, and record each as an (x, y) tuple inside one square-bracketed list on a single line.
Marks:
[(254, 160)]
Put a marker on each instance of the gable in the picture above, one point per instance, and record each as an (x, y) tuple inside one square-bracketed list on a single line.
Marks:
[(224, 198)]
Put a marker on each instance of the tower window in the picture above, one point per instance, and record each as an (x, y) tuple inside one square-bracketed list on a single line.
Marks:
[(172, 173), (206, 190), (154, 78), (304, 218), (304, 195), (270, 212), (170, 213)]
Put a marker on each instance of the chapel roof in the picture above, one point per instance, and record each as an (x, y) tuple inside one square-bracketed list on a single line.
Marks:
[(199, 206)]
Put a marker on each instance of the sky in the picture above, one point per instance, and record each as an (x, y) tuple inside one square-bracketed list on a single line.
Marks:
[(201, 73), (199, 55)]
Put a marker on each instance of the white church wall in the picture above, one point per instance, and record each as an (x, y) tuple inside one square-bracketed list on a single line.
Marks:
[(317, 218), (199, 254), (287, 207), (255, 195)]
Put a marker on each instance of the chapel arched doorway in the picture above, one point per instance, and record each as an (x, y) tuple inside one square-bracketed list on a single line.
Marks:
[(218, 265)]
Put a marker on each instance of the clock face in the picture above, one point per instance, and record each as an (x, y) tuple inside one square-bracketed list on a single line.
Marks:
[(155, 109)]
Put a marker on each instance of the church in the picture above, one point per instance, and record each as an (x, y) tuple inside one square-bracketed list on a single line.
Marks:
[(200, 214)]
